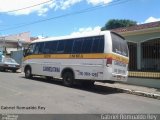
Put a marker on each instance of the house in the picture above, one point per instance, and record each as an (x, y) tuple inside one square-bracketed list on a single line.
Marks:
[(14, 42), (144, 46)]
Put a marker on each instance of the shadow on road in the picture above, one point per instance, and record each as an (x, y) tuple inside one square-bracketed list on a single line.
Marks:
[(104, 90)]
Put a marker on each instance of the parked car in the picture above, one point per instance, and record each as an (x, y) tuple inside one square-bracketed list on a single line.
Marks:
[(9, 64)]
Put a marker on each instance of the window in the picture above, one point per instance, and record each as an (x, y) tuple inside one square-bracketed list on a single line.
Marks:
[(50, 47), (77, 45), (30, 49), (101, 44), (95, 45), (61, 46), (87, 44), (38, 48), (98, 44), (119, 45), (151, 51), (68, 46)]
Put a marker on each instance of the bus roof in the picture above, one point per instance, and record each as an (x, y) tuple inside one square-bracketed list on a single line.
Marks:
[(71, 36)]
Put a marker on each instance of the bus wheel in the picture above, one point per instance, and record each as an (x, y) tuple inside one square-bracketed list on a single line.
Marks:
[(68, 79), (28, 73)]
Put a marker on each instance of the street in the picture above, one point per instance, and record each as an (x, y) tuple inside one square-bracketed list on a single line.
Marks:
[(38, 95)]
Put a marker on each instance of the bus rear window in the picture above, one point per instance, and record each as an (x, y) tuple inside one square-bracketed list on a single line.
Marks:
[(119, 45)]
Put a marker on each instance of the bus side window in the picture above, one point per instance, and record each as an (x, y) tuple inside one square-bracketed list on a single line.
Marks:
[(61, 46), (50, 47), (95, 45), (101, 44), (68, 46), (53, 46), (38, 48), (87, 44), (30, 49), (46, 48), (77, 46), (98, 44)]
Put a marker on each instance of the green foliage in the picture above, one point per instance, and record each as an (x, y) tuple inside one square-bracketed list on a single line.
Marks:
[(116, 23)]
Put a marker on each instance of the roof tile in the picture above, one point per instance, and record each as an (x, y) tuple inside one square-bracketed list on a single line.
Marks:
[(137, 27)]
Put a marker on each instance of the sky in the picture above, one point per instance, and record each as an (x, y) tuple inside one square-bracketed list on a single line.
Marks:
[(47, 18)]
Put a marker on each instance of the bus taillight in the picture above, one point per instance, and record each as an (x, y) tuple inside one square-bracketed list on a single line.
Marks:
[(109, 62)]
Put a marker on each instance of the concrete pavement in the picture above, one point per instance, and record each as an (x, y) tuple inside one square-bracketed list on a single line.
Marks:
[(134, 89), (19, 95)]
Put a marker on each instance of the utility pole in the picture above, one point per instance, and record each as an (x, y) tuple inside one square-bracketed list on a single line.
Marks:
[(19, 47), (1, 51), (4, 46)]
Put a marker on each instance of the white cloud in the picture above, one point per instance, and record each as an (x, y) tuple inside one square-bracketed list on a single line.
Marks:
[(151, 19), (40, 37), (18, 4), (95, 2), (39, 9), (42, 8), (64, 4), (87, 30)]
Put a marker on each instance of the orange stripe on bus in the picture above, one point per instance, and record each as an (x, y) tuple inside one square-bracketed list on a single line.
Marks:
[(79, 56)]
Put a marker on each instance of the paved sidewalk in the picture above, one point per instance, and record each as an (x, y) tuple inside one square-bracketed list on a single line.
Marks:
[(133, 89)]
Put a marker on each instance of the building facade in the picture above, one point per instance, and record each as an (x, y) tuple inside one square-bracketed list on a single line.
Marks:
[(144, 46), (14, 42)]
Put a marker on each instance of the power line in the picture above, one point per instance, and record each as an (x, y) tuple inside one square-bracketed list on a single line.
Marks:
[(116, 2), (10, 11), (35, 6)]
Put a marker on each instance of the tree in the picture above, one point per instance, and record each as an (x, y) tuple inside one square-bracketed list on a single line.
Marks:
[(116, 23)]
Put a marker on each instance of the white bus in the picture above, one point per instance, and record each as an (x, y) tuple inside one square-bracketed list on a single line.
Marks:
[(88, 58)]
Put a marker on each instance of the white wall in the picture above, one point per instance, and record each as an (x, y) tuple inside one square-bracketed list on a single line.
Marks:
[(147, 82)]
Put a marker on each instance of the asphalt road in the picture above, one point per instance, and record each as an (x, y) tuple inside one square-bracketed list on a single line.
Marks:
[(38, 95)]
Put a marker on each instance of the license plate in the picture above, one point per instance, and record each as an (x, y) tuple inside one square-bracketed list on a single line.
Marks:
[(11, 65), (119, 77), (119, 71)]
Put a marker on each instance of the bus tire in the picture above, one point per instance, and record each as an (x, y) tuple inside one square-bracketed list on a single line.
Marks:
[(68, 79), (28, 72)]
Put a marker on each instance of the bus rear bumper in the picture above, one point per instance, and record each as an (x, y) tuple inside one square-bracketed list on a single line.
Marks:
[(115, 77), (119, 77)]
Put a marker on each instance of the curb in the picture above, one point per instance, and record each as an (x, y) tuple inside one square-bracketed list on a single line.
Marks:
[(134, 92), (139, 93)]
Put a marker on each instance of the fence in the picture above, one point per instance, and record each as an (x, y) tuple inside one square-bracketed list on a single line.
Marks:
[(17, 55)]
